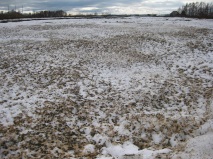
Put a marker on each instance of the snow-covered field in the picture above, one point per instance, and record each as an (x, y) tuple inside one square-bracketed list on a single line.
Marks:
[(126, 88)]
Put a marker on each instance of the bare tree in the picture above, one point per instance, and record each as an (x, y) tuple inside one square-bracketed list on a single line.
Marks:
[(197, 9)]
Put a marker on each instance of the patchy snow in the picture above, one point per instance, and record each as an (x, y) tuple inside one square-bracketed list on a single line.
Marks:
[(121, 150), (198, 147), (128, 150), (89, 149), (106, 88)]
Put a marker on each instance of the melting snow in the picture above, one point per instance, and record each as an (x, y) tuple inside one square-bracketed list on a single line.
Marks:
[(106, 88)]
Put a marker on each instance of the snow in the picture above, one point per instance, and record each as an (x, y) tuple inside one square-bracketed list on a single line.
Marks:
[(129, 149), (89, 149), (121, 150), (107, 88), (198, 147), (157, 138)]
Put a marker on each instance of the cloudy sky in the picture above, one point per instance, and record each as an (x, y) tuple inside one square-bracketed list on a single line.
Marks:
[(97, 6)]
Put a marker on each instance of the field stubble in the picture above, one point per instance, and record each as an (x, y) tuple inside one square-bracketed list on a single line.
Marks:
[(60, 93)]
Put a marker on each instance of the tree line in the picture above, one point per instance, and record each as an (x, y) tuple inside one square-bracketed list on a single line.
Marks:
[(42, 14), (197, 10)]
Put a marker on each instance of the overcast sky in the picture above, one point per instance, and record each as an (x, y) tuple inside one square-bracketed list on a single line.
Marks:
[(98, 6)]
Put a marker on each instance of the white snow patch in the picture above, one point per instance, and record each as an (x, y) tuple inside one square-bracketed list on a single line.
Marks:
[(198, 147), (89, 149), (129, 149), (121, 150), (157, 137)]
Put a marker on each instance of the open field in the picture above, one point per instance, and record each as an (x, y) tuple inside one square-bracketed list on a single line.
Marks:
[(107, 88)]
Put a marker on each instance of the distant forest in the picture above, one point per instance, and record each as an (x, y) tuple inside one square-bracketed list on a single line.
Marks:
[(42, 14), (195, 10)]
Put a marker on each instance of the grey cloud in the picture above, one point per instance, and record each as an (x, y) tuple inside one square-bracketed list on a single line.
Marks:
[(69, 5), (162, 4)]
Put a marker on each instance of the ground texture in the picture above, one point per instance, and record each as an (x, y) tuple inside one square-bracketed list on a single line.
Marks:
[(107, 88)]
